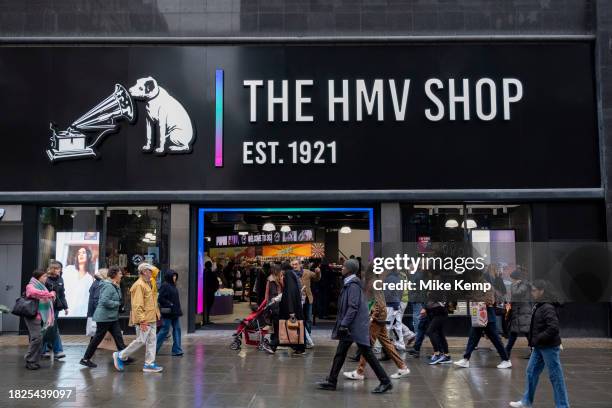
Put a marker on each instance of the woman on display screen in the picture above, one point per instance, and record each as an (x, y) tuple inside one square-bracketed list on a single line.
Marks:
[(78, 277)]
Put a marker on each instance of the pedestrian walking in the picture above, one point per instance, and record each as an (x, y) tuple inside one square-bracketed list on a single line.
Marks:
[(378, 331), (274, 287), (490, 330), (352, 323), (291, 302), (55, 283), (94, 291), (40, 325), (437, 312), (520, 309), (170, 309), (395, 311), (545, 338), (420, 320), (106, 314), (307, 278), (143, 315)]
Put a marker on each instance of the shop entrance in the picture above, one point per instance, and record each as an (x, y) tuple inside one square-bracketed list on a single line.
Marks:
[(241, 243)]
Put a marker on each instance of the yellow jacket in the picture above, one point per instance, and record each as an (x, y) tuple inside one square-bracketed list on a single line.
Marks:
[(144, 303), (154, 273)]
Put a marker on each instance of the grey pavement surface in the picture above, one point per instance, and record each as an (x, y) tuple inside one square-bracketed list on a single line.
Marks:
[(212, 375)]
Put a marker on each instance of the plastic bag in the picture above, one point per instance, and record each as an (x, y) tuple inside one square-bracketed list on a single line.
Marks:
[(90, 327)]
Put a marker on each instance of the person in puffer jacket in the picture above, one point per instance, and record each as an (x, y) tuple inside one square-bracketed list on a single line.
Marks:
[(545, 338)]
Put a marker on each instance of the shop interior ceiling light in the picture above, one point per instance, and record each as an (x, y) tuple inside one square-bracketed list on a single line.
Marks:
[(470, 224), (285, 228), (345, 230), (268, 226), (243, 232), (74, 214), (451, 223)]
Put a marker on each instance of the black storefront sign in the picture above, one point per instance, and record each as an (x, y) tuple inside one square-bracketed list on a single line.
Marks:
[(322, 117)]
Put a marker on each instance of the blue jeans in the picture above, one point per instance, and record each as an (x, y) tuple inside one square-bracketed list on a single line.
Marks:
[(420, 325), (57, 344), (416, 316), (176, 335), (549, 357), (307, 316)]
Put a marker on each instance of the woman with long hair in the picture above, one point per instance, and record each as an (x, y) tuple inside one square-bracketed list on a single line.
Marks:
[(274, 287), (78, 278)]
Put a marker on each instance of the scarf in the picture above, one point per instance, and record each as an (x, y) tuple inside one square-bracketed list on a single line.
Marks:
[(45, 306)]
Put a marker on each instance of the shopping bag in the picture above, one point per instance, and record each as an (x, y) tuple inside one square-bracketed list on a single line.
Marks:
[(291, 332), (108, 343), (26, 307), (90, 327), (478, 313)]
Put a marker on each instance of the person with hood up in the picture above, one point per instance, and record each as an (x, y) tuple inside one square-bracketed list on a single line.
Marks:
[(352, 326), (545, 339), (170, 307), (378, 331)]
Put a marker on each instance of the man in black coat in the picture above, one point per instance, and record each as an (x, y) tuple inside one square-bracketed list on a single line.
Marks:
[(55, 283), (211, 285), (352, 325), (291, 302)]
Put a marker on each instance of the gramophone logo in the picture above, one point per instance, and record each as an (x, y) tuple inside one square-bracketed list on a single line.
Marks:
[(166, 118)]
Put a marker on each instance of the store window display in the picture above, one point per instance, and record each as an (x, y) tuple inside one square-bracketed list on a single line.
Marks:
[(85, 239), (460, 229)]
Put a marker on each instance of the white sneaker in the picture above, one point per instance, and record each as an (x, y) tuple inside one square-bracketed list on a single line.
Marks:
[(353, 375), (310, 345), (463, 363), (505, 364), (400, 373), (519, 404)]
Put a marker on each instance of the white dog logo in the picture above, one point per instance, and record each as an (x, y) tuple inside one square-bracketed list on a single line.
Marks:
[(165, 114)]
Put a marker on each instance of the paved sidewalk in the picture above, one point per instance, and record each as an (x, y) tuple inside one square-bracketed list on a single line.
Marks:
[(212, 375)]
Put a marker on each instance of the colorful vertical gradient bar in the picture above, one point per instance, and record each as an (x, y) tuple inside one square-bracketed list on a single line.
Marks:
[(219, 118), (200, 278)]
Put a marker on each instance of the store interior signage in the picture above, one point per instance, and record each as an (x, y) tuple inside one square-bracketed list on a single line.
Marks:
[(263, 238), (444, 97)]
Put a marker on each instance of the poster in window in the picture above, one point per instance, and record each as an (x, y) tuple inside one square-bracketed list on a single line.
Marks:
[(78, 252)]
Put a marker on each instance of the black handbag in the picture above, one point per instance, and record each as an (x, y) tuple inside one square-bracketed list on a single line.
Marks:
[(25, 307)]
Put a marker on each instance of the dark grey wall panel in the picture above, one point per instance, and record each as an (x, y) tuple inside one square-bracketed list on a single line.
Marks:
[(293, 17)]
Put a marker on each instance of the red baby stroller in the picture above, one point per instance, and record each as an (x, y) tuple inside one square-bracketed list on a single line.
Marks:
[(252, 327)]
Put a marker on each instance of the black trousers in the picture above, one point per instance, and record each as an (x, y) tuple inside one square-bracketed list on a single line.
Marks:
[(366, 352), (435, 331), (210, 301), (101, 330)]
